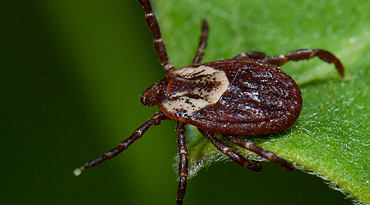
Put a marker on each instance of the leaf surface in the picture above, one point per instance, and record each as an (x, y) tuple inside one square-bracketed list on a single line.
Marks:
[(331, 137)]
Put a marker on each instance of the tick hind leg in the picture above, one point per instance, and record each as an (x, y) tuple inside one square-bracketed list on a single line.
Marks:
[(202, 43), (227, 150), (303, 54), (156, 119), (252, 55), (260, 151)]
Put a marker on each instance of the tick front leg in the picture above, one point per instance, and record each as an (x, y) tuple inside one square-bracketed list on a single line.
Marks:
[(227, 150), (260, 151), (158, 41), (138, 133), (202, 43), (183, 164)]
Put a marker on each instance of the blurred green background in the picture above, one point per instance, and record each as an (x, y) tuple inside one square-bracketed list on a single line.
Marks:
[(71, 73)]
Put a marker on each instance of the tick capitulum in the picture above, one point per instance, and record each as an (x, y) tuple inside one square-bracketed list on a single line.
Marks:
[(245, 95)]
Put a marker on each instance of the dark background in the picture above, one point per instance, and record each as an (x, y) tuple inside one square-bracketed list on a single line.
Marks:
[(71, 74)]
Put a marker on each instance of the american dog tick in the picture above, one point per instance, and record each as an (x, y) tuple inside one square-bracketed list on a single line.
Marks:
[(246, 95)]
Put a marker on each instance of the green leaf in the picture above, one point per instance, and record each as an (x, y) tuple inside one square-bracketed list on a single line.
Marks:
[(331, 137)]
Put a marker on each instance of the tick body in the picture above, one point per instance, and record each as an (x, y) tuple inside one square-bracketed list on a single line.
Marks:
[(246, 95), (232, 97)]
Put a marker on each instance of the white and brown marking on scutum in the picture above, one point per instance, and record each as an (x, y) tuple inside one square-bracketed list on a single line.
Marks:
[(198, 96)]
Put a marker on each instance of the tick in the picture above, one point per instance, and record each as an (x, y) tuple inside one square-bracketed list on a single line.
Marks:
[(245, 95)]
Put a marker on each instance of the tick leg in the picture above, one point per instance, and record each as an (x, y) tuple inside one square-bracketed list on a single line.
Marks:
[(260, 151), (202, 43), (303, 54), (158, 41), (183, 164), (227, 150), (251, 55), (138, 133)]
